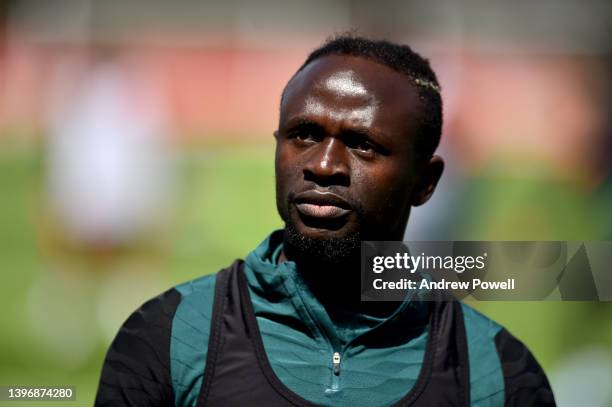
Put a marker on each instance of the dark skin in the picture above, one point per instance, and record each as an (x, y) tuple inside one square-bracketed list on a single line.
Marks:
[(345, 156)]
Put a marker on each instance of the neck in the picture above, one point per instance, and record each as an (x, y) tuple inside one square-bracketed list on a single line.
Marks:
[(337, 285)]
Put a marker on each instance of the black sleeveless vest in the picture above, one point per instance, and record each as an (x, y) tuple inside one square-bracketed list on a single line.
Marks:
[(238, 372)]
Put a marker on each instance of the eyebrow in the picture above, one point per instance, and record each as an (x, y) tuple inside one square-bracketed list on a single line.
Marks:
[(301, 122)]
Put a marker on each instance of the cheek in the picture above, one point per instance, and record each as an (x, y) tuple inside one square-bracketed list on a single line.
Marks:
[(386, 193), (287, 176), (285, 166), (281, 186)]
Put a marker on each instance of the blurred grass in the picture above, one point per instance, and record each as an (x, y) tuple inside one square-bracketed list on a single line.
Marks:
[(225, 207)]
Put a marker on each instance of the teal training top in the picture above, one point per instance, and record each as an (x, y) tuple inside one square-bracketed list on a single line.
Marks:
[(159, 354), (300, 338)]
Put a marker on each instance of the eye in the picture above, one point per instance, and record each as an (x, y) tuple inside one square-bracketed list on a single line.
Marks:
[(365, 150), (361, 146), (364, 147), (305, 136)]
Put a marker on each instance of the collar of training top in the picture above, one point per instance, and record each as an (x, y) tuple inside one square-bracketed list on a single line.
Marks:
[(283, 290)]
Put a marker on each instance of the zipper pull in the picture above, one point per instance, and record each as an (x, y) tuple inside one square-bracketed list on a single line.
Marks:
[(336, 363)]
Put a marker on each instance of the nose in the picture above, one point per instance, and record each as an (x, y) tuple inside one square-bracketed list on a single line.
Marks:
[(328, 164)]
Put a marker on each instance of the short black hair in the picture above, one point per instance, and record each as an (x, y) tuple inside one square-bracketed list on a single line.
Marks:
[(402, 59)]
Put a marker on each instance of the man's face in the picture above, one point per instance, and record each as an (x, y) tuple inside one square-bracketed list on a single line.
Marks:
[(346, 163)]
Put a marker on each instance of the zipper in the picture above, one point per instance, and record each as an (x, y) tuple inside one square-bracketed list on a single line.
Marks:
[(336, 363), (334, 385)]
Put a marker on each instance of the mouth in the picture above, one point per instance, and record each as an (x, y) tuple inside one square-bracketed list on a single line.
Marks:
[(321, 205), (321, 211)]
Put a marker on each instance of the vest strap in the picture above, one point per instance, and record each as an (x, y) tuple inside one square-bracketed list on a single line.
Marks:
[(238, 371)]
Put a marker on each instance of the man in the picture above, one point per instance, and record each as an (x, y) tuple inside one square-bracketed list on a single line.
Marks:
[(359, 123)]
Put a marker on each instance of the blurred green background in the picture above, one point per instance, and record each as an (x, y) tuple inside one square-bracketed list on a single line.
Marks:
[(136, 153)]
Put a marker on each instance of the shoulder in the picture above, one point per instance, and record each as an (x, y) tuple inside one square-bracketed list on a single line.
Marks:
[(525, 381), (189, 338), (191, 320), (135, 370), (502, 369), (139, 366)]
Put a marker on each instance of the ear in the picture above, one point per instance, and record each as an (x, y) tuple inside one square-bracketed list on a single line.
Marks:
[(276, 134), (429, 174)]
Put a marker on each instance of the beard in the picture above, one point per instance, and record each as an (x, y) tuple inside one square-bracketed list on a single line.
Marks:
[(333, 251)]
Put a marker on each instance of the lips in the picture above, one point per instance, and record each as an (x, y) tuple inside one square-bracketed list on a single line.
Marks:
[(321, 205), (321, 211)]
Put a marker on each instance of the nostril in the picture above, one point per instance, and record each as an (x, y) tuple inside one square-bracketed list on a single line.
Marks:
[(328, 179)]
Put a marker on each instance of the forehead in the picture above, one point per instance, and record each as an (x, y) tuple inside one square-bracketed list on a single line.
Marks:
[(348, 82)]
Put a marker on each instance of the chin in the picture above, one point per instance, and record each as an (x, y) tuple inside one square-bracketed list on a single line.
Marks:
[(317, 245)]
